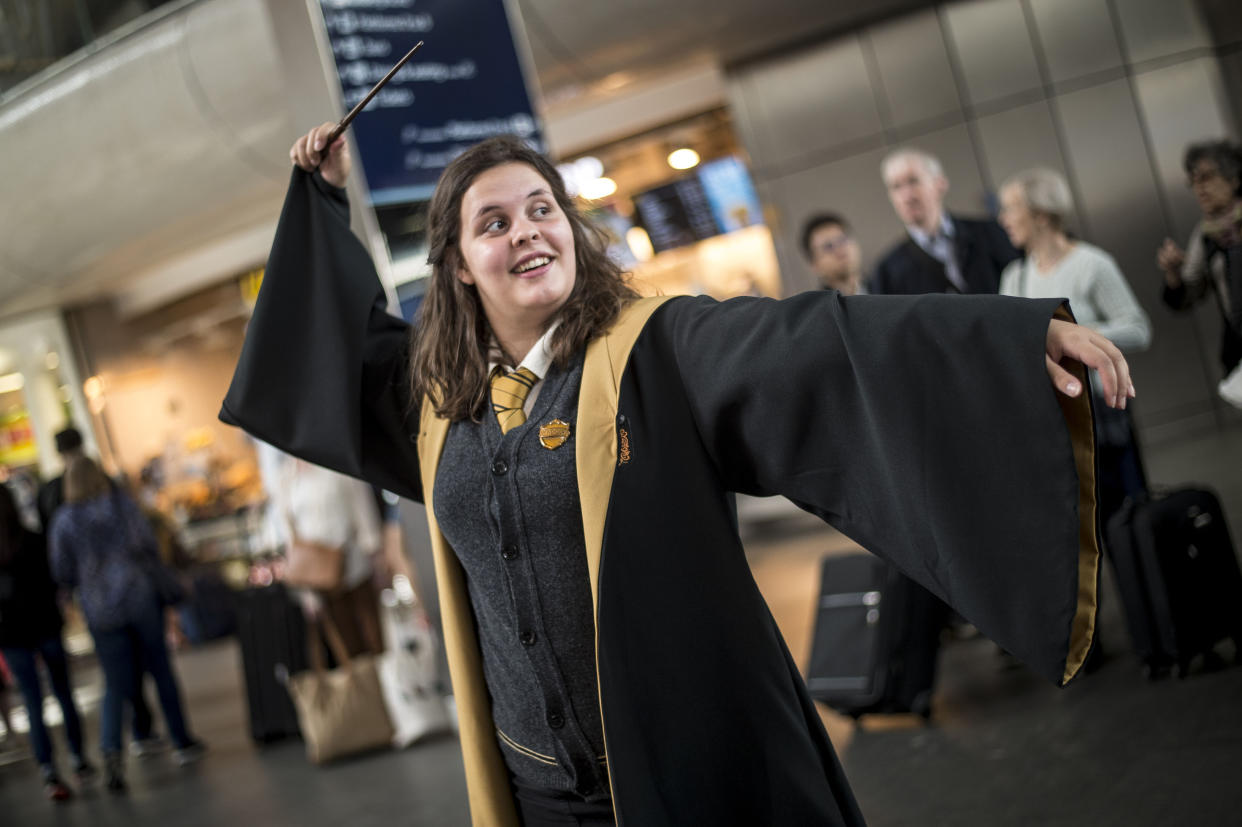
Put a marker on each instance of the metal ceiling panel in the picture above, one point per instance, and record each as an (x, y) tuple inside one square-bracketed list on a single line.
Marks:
[(165, 140)]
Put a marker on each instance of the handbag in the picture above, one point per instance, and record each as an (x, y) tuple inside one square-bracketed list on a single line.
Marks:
[(1230, 387), (311, 565), (169, 590), (341, 711)]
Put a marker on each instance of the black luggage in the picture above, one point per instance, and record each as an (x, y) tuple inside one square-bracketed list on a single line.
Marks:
[(210, 608), (1178, 577), (877, 635), (272, 634)]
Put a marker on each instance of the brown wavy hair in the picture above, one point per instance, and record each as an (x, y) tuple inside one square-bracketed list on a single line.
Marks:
[(450, 341), (84, 480)]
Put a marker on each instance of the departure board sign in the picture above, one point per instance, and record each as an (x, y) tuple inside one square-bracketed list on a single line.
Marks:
[(465, 84), (718, 198)]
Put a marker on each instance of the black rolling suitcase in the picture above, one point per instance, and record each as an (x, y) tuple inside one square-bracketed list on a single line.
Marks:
[(210, 609), (876, 639), (1178, 576), (272, 634)]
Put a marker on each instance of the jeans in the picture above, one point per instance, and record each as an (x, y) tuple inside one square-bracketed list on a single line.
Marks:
[(119, 650), (141, 725), (22, 661)]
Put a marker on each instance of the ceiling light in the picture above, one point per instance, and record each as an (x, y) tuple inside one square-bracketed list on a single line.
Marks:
[(639, 243), (579, 173), (11, 382), (598, 188), (683, 158), (615, 81), (588, 167)]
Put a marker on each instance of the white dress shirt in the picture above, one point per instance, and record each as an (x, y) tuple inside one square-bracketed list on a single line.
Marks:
[(538, 361), (330, 508), (940, 247)]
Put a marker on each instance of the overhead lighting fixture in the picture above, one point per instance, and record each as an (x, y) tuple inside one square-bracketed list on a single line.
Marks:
[(615, 81), (598, 188), (683, 158), (11, 382), (639, 243), (579, 173)]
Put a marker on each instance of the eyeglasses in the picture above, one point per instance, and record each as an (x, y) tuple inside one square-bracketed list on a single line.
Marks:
[(831, 245), (1206, 176)]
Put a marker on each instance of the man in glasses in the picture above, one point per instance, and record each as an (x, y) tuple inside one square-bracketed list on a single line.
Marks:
[(833, 253)]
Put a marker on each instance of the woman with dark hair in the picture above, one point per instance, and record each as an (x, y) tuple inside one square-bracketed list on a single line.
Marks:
[(1213, 256), (102, 546), (612, 659), (30, 626)]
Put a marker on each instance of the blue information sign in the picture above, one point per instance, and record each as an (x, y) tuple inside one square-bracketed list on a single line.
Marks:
[(465, 84)]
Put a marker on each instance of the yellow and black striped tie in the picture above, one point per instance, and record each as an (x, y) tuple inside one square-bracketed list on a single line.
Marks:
[(509, 392)]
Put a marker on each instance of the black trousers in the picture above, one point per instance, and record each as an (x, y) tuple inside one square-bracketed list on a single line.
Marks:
[(549, 808)]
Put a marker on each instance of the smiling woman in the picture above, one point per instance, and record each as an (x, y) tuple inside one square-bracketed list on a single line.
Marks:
[(495, 215), (612, 659)]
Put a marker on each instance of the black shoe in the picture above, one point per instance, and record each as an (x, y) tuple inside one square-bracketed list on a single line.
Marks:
[(53, 787), (84, 773), (56, 790), (190, 753), (114, 772)]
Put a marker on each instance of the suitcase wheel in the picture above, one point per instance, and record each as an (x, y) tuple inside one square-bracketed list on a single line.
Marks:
[(921, 706), (1212, 661), (1155, 671)]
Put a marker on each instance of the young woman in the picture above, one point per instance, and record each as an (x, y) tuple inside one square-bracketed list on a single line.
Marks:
[(103, 548), (612, 659), (1035, 205), (30, 626)]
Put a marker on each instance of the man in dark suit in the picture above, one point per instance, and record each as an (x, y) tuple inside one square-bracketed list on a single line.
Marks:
[(942, 253)]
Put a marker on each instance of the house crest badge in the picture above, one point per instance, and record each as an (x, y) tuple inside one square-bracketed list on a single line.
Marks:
[(553, 434)]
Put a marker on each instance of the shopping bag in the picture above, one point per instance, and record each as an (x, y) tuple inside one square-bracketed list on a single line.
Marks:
[(1230, 388), (409, 675), (340, 711)]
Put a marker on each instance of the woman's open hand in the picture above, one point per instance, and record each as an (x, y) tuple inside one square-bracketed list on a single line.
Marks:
[(310, 154), (1072, 341)]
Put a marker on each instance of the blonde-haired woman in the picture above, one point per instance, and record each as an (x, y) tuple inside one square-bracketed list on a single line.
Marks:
[(1036, 206)]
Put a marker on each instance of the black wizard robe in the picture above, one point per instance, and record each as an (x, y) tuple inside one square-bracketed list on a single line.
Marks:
[(923, 427)]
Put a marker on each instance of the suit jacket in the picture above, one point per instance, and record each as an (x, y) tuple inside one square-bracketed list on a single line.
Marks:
[(982, 248), (858, 409)]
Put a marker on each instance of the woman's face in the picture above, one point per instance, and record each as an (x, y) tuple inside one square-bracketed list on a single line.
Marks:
[(517, 247), (1213, 191), (1015, 216)]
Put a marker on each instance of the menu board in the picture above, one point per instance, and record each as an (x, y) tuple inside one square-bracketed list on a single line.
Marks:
[(717, 198), (464, 85)]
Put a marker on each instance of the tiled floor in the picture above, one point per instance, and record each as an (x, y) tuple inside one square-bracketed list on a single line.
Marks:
[(1005, 747)]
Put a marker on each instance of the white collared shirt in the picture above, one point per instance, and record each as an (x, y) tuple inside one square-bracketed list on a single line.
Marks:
[(538, 361), (940, 247)]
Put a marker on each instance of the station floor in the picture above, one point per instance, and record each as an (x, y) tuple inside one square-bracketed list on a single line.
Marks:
[(1004, 748)]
